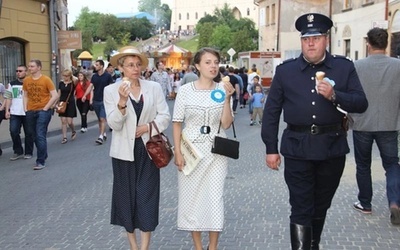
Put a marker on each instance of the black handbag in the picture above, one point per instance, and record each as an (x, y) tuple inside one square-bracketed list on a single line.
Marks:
[(224, 146)]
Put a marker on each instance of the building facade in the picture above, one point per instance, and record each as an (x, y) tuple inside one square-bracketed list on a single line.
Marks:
[(26, 32), (186, 14), (351, 18)]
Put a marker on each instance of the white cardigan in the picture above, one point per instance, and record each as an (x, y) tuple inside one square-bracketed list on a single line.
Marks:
[(155, 108)]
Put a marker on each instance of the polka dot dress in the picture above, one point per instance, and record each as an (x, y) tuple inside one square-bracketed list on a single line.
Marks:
[(136, 188), (200, 203)]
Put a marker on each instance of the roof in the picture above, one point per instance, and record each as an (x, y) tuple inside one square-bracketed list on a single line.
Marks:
[(136, 15), (172, 48)]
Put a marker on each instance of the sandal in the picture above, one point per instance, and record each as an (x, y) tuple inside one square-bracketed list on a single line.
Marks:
[(73, 135), (64, 140)]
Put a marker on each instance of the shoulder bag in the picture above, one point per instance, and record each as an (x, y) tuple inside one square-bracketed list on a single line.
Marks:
[(61, 106), (224, 146), (159, 147)]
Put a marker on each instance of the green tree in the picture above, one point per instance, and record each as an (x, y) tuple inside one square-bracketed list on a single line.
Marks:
[(205, 30), (207, 19), (88, 21), (149, 6), (165, 14), (221, 38), (109, 25), (241, 42), (140, 28), (224, 15), (110, 46)]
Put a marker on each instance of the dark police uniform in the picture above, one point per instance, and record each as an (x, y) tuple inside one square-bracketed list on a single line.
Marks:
[(314, 144)]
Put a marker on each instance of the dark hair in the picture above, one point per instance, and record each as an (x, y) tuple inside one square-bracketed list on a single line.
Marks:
[(199, 54), (22, 66), (202, 51), (258, 78), (177, 78), (377, 38), (101, 62), (85, 79), (158, 64)]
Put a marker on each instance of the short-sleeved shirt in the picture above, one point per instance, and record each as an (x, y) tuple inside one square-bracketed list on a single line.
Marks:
[(16, 94), (38, 91), (99, 83)]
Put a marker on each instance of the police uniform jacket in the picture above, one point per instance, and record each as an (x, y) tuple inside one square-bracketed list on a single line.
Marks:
[(293, 91)]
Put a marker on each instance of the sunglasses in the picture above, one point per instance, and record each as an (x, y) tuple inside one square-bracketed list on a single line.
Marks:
[(19, 71)]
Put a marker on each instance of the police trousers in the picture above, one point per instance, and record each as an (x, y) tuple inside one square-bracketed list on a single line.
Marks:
[(312, 185)]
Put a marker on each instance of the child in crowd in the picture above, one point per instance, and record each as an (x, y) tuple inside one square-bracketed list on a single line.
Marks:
[(251, 89), (257, 100)]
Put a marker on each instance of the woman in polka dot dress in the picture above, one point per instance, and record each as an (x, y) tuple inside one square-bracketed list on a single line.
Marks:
[(202, 105)]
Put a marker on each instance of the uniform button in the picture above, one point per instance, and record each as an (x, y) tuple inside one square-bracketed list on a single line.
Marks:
[(312, 78), (313, 90), (314, 116), (313, 103)]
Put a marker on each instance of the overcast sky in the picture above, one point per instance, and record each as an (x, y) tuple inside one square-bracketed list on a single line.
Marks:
[(104, 6)]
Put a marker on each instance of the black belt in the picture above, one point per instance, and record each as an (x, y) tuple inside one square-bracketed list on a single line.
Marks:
[(315, 129)]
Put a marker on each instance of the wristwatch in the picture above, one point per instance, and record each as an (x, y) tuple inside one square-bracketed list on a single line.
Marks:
[(333, 97), (121, 107)]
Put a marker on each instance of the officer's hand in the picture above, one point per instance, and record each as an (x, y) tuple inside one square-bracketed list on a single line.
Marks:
[(273, 161), (325, 89)]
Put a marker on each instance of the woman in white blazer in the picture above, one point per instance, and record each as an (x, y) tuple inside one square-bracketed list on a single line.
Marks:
[(131, 104)]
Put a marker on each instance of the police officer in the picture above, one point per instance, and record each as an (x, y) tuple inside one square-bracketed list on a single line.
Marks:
[(314, 143)]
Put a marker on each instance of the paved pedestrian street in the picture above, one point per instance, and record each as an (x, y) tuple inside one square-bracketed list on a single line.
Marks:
[(67, 204)]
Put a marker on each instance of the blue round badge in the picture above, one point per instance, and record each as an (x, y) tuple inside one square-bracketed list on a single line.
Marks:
[(218, 95)]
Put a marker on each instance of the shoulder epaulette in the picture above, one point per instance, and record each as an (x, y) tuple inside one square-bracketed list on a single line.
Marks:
[(287, 60), (342, 57)]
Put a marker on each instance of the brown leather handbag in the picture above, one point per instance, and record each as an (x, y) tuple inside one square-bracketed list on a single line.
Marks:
[(159, 147)]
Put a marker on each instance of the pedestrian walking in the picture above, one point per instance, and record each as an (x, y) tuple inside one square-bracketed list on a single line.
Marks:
[(131, 104), (98, 82), (66, 93), (203, 105), (16, 114), (379, 75), (39, 98), (314, 143), (257, 100), (83, 106)]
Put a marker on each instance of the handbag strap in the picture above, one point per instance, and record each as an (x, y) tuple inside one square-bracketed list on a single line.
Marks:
[(72, 86), (233, 127), (151, 124)]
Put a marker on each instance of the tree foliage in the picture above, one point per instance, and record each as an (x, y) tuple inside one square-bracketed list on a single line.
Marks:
[(149, 5), (221, 38), (205, 30), (110, 46), (229, 32)]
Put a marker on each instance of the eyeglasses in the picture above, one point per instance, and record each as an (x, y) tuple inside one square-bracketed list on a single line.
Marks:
[(66, 75), (19, 71), (132, 65)]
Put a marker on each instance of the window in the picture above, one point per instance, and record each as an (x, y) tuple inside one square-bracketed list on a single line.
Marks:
[(347, 47), (187, 16), (180, 17), (11, 55), (347, 4), (267, 16), (273, 14), (248, 11), (197, 15)]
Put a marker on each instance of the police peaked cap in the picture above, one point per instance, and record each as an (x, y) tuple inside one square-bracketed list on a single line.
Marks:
[(313, 24)]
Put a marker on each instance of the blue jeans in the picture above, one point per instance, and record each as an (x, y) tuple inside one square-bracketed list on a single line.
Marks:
[(387, 145), (16, 121), (38, 121)]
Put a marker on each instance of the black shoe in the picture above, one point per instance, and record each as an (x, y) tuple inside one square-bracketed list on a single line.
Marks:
[(357, 206), (300, 237), (317, 227), (1, 152)]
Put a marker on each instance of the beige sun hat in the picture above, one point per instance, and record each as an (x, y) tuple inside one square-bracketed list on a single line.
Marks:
[(129, 51)]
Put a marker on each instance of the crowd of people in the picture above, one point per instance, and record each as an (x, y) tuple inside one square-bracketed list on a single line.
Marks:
[(131, 100)]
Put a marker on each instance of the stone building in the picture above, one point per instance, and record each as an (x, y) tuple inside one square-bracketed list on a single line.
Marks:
[(186, 14)]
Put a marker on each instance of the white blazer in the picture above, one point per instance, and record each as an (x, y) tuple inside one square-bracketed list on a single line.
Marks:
[(155, 108)]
